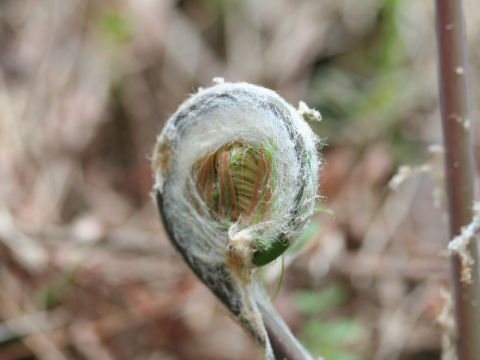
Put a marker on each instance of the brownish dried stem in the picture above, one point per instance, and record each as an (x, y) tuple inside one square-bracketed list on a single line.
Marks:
[(454, 99)]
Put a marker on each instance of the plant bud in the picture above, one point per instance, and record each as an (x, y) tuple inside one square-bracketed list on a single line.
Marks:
[(235, 181)]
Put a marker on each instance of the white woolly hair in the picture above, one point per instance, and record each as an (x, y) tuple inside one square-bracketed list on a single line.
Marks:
[(222, 114)]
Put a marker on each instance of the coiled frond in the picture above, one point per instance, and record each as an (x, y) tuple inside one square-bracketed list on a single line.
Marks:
[(235, 180)]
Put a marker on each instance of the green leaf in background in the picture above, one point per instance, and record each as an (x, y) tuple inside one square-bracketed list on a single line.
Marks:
[(337, 339), (53, 291), (310, 302), (115, 27), (333, 339), (337, 332)]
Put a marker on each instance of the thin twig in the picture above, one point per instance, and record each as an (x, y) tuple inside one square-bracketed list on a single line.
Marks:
[(454, 99)]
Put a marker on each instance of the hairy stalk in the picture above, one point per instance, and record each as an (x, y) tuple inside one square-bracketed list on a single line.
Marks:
[(454, 99), (222, 167)]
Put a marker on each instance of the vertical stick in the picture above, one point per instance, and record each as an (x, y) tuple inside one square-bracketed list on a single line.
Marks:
[(456, 120)]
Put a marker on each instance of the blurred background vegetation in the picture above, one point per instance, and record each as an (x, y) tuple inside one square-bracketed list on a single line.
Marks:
[(86, 270)]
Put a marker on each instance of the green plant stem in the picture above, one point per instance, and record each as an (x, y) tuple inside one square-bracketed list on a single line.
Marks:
[(456, 118)]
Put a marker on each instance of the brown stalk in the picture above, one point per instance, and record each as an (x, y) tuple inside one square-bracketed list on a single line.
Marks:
[(231, 198), (456, 118), (267, 187), (205, 180), (261, 168), (221, 200)]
